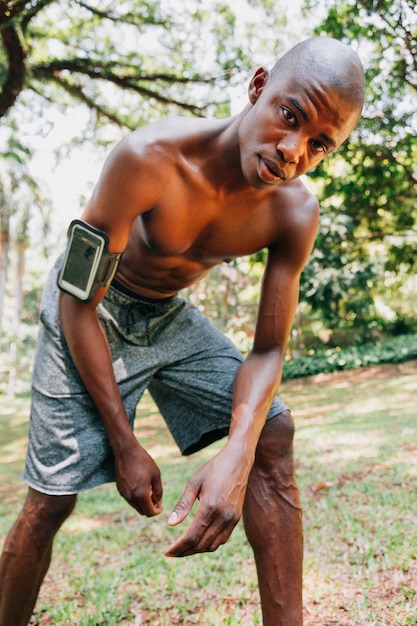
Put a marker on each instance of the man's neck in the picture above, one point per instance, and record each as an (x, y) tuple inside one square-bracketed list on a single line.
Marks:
[(220, 162)]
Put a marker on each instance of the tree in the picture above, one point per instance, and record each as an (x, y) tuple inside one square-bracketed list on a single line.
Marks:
[(125, 62), (19, 193), (368, 198), (20, 199)]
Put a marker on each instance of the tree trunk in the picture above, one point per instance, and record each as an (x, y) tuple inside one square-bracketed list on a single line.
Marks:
[(4, 263)]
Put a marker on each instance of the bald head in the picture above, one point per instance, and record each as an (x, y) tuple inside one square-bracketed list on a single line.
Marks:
[(337, 64)]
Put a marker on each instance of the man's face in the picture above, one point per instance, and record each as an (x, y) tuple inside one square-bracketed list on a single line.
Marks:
[(295, 121)]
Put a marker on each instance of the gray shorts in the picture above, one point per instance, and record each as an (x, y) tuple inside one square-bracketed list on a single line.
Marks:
[(168, 347)]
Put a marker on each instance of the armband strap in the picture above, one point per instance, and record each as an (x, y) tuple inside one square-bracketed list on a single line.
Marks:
[(87, 264), (107, 268)]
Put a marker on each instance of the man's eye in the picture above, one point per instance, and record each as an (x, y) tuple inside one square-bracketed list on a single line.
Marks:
[(289, 115), (318, 146)]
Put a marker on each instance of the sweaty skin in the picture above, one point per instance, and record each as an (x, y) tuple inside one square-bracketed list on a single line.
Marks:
[(179, 197)]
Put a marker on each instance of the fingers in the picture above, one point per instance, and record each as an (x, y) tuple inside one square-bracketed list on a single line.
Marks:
[(185, 503), (157, 492), (190, 544), (143, 489), (146, 501), (203, 535), (144, 504)]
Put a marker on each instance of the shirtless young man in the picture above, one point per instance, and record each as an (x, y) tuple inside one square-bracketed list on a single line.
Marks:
[(178, 197)]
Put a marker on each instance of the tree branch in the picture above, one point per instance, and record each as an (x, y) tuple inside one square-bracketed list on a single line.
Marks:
[(76, 92), (105, 71), (16, 68), (128, 18), (25, 10), (34, 8), (49, 72)]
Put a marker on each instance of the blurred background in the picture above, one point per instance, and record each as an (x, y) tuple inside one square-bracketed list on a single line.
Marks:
[(75, 76)]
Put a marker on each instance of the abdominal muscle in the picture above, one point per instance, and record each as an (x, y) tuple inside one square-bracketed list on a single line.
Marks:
[(163, 276), (164, 268)]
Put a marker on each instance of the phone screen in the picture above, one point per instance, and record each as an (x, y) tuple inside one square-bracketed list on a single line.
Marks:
[(81, 262)]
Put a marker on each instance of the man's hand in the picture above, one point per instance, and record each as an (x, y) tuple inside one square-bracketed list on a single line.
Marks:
[(139, 479), (220, 486)]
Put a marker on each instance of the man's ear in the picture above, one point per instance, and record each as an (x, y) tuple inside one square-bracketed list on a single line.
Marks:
[(257, 84)]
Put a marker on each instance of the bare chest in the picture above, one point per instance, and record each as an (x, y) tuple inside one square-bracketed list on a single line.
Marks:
[(206, 234)]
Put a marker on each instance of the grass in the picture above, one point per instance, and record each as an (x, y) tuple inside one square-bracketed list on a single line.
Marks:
[(356, 451)]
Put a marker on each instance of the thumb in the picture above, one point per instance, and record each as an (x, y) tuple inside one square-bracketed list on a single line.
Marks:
[(184, 505), (157, 492)]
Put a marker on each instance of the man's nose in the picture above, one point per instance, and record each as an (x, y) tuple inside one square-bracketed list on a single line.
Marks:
[(290, 148)]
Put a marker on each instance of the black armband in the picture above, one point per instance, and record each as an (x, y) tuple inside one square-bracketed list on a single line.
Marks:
[(88, 264)]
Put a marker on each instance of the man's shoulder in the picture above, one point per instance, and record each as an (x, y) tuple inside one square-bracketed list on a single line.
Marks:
[(149, 149), (167, 132), (298, 206), (297, 218), (295, 194), (163, 149)]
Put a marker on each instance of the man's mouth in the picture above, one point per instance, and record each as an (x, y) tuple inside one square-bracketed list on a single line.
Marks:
[(269, 171)]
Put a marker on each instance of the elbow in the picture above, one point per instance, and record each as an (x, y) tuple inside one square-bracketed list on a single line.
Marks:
[(269, 357)]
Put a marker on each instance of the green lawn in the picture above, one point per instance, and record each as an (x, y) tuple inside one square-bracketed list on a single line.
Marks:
[(356, 451)]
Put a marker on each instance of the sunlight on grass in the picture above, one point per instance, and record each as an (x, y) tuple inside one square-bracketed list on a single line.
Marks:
[(356, 456), (356, 464), (78, 524), (13, 451), (160, 451)]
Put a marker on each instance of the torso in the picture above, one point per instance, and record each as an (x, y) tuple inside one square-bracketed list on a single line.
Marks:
[(172, 247), (193, 226)]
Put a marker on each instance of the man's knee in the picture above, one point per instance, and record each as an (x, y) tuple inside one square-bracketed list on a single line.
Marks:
[(45, 512), (276, 440), (273, 472)]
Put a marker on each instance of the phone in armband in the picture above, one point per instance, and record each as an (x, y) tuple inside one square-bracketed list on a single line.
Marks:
[(87, 263)]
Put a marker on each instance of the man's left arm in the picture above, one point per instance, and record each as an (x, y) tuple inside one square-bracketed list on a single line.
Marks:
[(259, 377), (221, 483)]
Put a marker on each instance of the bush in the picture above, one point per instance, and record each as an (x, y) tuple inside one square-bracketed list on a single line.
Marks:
[(390, 350)]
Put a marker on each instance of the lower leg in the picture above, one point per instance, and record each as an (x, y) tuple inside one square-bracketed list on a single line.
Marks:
[(27, 553), (273, 524)]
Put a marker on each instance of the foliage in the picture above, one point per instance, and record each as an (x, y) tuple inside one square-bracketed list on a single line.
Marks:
[(72, 55), (131, 63), (368, 193), (389, 350), (128, 63), (339, 275), (21, 202)]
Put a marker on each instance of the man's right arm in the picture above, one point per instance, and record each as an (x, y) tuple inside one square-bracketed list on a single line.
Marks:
[(114, 206), (137, 476)]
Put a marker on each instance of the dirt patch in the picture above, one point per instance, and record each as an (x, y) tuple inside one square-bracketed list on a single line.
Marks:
[(389, 588)]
